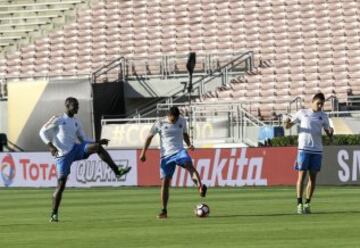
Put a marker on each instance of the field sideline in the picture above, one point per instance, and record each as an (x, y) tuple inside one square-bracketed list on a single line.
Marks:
[(125, 217)]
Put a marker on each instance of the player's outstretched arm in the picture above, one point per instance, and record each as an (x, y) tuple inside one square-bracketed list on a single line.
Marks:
[(146, 146)]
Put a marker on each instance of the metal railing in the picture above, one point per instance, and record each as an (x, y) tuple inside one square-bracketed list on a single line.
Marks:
[(199, 86), (116, 63), (3, 89), (167, 66), (334, 101), (352, 113), (298, 102), (229, 122)]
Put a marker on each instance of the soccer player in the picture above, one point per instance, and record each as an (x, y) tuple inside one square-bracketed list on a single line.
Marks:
[(172, 131), (67, 142), (311, 122)]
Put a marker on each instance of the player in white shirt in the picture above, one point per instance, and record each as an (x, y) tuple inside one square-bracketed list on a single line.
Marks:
[(173, 133), (67, 142), (311, 123)]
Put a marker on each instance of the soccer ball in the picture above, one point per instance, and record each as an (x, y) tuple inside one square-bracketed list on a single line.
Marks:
[(202, 210)]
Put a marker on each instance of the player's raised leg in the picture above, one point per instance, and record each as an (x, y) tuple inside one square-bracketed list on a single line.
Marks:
[(196, 178), (105, 156)]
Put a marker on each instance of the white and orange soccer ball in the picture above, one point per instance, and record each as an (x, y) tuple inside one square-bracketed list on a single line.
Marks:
[(202, 210)]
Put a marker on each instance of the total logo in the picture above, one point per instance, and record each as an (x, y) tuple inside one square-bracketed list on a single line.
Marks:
[(7, 170)]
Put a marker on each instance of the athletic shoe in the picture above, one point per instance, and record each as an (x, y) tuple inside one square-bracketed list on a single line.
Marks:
[(123, 171), (162, 215), (300, 209), (203, 190), (54, 218), (307, 209)]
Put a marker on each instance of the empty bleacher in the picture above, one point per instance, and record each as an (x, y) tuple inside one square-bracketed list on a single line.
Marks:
[(301, 47), (23, 21)]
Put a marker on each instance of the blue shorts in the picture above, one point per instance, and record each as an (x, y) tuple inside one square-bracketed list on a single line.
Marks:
[(168, 164), (308, 161), (78, 152)]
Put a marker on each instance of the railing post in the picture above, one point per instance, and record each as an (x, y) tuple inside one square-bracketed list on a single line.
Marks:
[(251, 59), (201, 88), (167, 71)]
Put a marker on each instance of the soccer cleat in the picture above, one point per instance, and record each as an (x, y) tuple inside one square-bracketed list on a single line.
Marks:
[(123, 171), (307, 209), (203, 190), (300, 209), (54, 218), (162, 215)]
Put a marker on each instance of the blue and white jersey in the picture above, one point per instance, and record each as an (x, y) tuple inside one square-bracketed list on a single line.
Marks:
[(64, 132), (310, 132), (171, 135)]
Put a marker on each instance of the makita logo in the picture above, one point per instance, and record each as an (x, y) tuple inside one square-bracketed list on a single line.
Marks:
[(234, 169)]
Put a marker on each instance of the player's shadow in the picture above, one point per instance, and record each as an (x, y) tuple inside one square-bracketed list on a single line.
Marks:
[(251, 215), (20, 224), (340, 212), (285, 214)]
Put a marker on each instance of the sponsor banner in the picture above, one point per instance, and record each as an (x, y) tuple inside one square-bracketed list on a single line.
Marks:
[(39, 170), (218, 167), (228, 167), (341, 166)]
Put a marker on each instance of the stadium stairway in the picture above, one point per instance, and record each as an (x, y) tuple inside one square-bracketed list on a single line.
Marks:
[(145, 88)]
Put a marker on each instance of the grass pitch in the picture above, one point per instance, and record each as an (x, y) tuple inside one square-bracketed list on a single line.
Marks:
[(125, 217)]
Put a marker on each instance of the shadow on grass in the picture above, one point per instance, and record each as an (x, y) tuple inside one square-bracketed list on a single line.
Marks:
[(285, 214)]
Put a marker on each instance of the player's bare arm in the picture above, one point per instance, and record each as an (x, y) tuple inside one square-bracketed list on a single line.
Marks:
[(146, 146), (288, 124), (329, 132), (53, 150), (188, 142)]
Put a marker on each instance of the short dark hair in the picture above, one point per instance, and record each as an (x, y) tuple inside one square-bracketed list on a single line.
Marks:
[(319, 96), (71, 100), (174, 111)]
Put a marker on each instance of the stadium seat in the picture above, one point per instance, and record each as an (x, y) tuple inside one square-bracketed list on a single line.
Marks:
[(318, 47)]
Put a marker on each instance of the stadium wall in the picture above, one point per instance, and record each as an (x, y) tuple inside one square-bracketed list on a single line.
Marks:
[(234, 167), (3, 117), (31, 103)]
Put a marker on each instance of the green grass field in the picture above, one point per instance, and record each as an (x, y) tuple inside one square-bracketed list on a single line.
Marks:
[(125, 217)]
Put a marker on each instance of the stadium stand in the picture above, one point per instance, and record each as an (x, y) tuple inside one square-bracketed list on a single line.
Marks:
[(23, 21), (300, 46)]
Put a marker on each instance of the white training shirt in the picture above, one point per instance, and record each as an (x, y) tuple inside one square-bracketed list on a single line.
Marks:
[(171, 135), (63, 131), (310, 131)]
